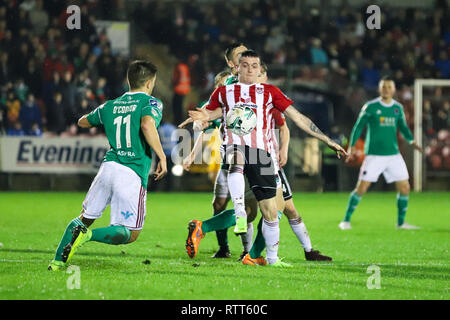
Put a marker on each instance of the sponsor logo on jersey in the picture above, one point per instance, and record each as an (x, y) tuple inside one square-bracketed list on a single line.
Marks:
[(387, 121), (153, 102)]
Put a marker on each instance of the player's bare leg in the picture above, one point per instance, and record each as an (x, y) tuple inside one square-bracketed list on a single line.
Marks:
[(355, 197), (403, 189)]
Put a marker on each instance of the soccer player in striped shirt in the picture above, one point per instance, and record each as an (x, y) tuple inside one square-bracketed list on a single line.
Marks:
[(226, 219), (130, 123), (221, 193), (250, 154), (382, 117)]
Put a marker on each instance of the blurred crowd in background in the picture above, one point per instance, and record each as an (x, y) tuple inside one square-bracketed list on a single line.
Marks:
[(50, 75)]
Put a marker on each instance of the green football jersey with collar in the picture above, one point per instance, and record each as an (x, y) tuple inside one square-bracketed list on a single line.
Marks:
[(231, 80), (382, 123), (121, 119)]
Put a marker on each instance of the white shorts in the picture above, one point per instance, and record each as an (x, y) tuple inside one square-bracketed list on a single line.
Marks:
[(120, 187), (393, 168), (221, 186)]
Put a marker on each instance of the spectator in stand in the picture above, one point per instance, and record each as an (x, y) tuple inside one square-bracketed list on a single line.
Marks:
[(50, 87), (56, 116), (69, 98), (39, 18), (6, 71), (181, 82), (101, 90), (12, 104), (30, 115), (370, 76), (33, 78), (318, 55)]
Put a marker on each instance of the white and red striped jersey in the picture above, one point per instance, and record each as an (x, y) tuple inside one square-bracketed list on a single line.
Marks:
[(262, 98)]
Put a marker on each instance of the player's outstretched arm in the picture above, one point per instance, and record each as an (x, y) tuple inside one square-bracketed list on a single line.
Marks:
[(285, 136), (83, 122), (187, 162), (205, 114), (190, 120), (309, 127), (151, 135)]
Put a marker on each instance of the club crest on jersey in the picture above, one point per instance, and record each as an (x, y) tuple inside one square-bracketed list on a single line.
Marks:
[(396, 111), (259, 90)]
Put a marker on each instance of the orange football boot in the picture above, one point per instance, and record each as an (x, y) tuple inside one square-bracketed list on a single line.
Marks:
[(194, 236), (252, 262)]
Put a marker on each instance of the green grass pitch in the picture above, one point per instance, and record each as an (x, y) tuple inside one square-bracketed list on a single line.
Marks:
[(412, 264)]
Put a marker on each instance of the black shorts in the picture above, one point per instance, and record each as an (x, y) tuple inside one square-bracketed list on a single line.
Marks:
[(287, 192), (258, 169)]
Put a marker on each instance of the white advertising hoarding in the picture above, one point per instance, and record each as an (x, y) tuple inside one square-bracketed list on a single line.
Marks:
[(52, 155)]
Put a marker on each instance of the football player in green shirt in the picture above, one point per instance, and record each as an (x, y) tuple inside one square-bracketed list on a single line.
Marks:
[(382, 117), (130, 124)]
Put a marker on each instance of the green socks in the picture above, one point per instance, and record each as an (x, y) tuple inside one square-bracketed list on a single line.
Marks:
[(260, 243), (352, 204), (220, 223), (402, 205), (67, 237), (111, 235)]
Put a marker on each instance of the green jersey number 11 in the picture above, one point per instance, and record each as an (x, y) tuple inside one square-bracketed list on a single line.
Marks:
[(118, 123)]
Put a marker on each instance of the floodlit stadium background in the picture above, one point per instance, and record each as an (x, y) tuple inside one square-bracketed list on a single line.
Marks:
[(321, 53)]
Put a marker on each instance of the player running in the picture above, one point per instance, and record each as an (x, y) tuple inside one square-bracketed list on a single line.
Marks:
[(382, 116), (130, 124), (249, 155)]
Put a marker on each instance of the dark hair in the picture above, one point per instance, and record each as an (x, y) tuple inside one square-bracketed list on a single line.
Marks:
[(139, 72), (229, 50), (249, 53), (387, 78)]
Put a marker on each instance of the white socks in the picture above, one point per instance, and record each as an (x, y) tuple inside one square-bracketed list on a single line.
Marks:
[(300, 231), (271, 233), (247, 238), (236, 186)]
